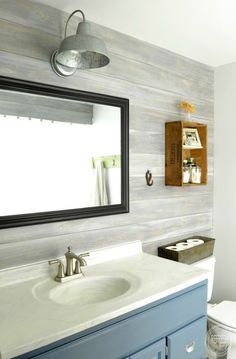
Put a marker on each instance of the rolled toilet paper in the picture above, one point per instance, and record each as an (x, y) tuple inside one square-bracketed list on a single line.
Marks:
[(195, 241), (174, 248), (180, 244), (184, 245)]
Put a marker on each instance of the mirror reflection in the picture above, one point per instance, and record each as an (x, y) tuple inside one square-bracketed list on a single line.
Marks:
[(57, 154)]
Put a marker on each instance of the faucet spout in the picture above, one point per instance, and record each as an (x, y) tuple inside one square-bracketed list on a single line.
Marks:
[(69, 261)]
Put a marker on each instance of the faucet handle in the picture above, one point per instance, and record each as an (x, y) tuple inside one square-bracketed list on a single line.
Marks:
[(81, 256), (54, 261), (85, 254), (61, 272), (80, 262)]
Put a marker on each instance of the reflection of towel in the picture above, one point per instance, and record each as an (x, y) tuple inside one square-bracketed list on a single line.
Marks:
[(100, 185)]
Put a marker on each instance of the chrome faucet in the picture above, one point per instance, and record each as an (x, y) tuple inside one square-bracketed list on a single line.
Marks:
[(71, 270)]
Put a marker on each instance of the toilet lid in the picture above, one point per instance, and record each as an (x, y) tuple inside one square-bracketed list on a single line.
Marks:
[(224, 313)]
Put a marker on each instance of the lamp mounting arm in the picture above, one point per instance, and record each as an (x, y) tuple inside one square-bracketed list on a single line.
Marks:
[(73, 13)]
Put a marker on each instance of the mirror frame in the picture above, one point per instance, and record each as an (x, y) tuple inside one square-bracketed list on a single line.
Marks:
[(12, 84)]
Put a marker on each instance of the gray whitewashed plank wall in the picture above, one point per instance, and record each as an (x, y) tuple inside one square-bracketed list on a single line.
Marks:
[(154, 80)]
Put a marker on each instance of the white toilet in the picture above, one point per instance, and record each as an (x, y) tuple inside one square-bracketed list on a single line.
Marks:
[(221, 317)]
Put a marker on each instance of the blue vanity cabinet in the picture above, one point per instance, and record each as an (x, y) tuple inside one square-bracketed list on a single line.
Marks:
[(174, 326)]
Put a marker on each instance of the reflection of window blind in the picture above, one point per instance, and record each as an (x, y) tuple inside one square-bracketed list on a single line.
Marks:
[(46, 108)]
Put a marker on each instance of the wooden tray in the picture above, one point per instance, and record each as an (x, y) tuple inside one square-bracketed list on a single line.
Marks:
[(189, 255)]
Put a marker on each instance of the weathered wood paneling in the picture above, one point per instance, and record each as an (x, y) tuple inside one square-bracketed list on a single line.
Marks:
[(53, 21), (139, 190), (164, 101), (50, 247), (154, 80), (39, 44)]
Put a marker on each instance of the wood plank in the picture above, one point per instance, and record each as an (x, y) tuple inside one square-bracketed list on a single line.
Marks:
[(140, 191), (146, 142), (141, 162), (18, 253), (35, 15), (148, 75), (142, 51), (147, 119), (27, 68), (18, 39), (141, 211)]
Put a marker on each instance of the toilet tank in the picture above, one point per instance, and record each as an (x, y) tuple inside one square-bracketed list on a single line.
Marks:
[(209, 265)]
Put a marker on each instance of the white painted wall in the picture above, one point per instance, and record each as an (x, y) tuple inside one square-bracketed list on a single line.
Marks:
[(203, 30), (225, 183)]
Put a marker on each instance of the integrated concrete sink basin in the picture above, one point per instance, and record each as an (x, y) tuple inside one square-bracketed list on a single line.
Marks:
[(83, 291), (89, 290)]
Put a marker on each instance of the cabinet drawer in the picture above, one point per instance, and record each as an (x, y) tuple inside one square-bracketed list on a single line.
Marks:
[(189, 342), (154, 351)]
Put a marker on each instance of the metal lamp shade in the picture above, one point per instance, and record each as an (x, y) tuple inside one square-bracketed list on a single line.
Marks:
[(82, 50)]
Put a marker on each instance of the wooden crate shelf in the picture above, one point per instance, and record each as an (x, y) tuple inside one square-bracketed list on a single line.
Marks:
[(175, 153)]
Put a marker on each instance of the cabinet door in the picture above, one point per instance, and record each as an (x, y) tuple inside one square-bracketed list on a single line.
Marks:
[(154, 351), (189, 342)]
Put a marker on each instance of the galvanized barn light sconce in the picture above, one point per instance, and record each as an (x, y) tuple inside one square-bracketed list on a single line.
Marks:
[(82, 51)]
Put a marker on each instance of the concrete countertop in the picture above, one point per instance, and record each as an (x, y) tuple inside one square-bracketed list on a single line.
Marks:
[(28, 321)]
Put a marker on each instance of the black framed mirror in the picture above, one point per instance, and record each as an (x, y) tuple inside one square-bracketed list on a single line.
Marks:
[(64, 154)]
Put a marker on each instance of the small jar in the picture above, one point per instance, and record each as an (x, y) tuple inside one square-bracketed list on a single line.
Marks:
[(186, 172), (196, 174), (191, 165), (190, 162)]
